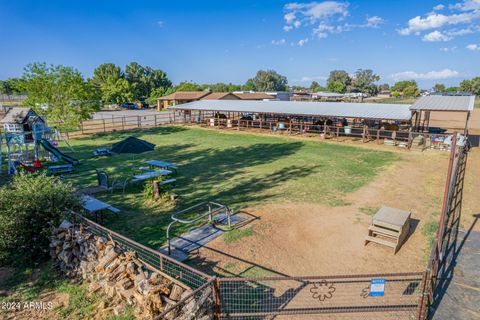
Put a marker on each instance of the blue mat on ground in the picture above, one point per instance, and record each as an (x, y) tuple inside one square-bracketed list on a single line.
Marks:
[(200, 236)]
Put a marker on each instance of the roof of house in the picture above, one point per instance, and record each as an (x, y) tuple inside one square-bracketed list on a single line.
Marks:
[(185, 95), (254, 96), (220, 95), (294, 108), (16, 115), (444, 103)]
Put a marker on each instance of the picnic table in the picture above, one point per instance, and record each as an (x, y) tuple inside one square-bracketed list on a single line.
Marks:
[(161, 165), (151, 174), (93, 205)]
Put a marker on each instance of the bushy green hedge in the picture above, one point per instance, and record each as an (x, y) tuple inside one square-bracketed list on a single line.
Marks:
[(30, 208)]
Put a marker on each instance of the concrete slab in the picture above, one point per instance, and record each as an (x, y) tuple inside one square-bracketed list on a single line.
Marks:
[(200, 236), (461, 299)]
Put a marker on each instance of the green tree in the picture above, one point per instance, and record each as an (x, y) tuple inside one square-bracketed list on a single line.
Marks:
[(222, 87), (407, 88), (68, 97), (188, 86), (144, 79), (472, 86), (452, 89), (11, 86), (268, 80), (249, 85), (364, 81), (400, 86), (439, 87), (337, 86), (316, 87), (411, 91), (384, 87), (466, 86), (116, 91), (30, 207), (338, 81), (106, 72), (157, 93), (113, 88)]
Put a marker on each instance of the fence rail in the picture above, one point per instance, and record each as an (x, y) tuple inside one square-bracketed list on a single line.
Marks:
[(444, 250), (189, 276)]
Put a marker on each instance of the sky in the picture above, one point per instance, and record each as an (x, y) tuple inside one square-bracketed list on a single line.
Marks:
[(228, 41)]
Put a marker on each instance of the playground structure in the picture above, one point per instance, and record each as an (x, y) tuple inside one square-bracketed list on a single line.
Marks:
[(24, 133)]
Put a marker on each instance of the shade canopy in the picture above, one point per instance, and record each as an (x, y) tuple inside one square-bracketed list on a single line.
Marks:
[(132, 145), (400, 112)]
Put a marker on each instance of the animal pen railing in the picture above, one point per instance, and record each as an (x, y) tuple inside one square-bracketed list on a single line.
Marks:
[(444, 251), (123, 123), (345, 296), (403, 138), (406, 295)]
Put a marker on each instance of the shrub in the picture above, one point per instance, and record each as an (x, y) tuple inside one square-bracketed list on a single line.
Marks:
[(30, 208)]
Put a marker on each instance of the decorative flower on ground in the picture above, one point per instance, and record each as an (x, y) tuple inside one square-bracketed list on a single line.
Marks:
[(322, 290), (365, 292)]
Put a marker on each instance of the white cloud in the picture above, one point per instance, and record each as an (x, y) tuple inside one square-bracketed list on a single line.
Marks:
[(436, 36), (310, 79), (324, 17), (448, 49), (302, 42), (464, 14), (279, 42), (473, 47), (431, 75), (290, 17), (466, 5), (374, 21)]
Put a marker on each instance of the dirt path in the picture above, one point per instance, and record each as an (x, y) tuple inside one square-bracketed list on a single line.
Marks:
[(312, 239)]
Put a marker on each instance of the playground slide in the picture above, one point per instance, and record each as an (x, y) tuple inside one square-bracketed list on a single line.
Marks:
[(29, 169), (57, 153)]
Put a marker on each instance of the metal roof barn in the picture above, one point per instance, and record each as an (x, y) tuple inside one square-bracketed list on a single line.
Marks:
[(444, 103), (377, 111)]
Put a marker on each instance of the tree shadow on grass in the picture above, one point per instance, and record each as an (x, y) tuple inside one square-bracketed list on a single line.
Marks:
[(138, 133)]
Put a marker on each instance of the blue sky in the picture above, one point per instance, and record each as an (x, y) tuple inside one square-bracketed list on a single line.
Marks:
[(228, 41)]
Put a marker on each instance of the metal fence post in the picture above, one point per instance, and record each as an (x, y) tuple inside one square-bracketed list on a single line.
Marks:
[(81, 127), (217, 309), (104, 130), (155, 120), (123, 123), (139, 121)]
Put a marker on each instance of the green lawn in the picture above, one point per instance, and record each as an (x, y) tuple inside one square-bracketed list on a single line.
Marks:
[(240, 170)]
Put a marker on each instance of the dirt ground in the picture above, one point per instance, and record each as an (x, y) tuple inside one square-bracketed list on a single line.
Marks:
[(312, 239)]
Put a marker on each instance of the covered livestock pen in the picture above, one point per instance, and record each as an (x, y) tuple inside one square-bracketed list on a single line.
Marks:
[(368, 121)]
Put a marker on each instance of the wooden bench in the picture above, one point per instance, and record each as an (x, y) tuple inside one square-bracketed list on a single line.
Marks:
[(64, 168), (390, 227)]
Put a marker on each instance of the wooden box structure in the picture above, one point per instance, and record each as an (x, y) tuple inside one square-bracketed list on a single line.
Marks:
[(389, 227)]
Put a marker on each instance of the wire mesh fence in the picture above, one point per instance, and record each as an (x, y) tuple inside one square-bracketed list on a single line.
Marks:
[(156, 260), (199, 304), (320, 296), (442, 259)]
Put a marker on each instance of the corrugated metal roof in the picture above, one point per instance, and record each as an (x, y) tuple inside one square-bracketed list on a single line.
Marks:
[(444, 103), (327, 109)]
